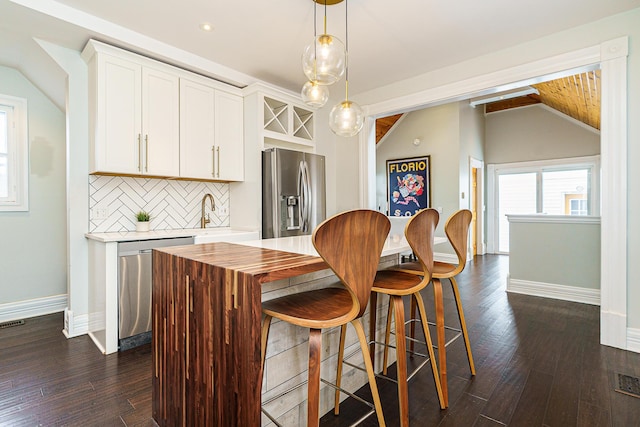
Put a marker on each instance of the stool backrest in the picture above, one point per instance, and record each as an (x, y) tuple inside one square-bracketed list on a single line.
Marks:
[(457, 230), (419, 232), (351, 244)]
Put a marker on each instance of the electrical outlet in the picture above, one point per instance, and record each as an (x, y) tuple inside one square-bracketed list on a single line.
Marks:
[(101, 213), (224, 210)]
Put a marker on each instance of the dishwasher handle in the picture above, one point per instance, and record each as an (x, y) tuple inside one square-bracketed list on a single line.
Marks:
[(135, 252)]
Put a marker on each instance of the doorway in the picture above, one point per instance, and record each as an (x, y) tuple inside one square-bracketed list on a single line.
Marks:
[(612, 59)]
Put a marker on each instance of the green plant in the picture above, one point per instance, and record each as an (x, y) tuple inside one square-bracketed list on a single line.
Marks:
[(143, 216)]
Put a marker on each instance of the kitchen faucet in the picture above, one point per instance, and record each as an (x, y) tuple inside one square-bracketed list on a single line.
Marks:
[(204, 219)]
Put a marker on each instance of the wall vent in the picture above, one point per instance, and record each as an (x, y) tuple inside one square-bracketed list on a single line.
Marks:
[(628, 385), (11, 324)]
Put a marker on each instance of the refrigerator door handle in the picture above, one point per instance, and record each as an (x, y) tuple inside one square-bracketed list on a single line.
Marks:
[(304, 191)]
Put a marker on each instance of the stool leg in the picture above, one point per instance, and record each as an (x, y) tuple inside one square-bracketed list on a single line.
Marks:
[(442, 350), (313, 391), (401, 360), (413, 323), (463, 324), (369, 366), (343, 334), (432, 355), (373, 314), (387, 336)]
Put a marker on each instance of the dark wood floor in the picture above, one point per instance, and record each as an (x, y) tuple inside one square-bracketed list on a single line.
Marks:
[(538, 361)]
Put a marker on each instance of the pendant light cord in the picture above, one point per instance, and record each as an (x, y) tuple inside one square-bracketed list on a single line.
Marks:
[(346, 40), (325, 16), (315, 42)]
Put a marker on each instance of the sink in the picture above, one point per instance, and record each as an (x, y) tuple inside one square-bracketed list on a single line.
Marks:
[(209, 235)]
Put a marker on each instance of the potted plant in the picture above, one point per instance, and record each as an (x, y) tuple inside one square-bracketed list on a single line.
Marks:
[(142, 223)]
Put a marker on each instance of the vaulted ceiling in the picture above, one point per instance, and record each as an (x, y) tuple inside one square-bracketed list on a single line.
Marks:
[(576, 96)]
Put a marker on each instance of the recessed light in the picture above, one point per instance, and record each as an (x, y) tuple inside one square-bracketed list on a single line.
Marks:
[(205, 26)]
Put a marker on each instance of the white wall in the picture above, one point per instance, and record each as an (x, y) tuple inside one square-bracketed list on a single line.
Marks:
[(535, 133), (438, 130), (472, 139), (33, 251), (449, 133)]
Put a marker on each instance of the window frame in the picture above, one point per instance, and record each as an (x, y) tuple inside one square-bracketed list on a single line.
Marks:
[(17, 155), (495, 170)]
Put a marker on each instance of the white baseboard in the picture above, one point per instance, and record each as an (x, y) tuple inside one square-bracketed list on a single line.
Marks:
[(75, 324), (633, 340), (444, 257), (32, 308), (550, 290)]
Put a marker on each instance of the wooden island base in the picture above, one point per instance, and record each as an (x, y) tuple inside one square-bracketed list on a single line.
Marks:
[(206, 330)]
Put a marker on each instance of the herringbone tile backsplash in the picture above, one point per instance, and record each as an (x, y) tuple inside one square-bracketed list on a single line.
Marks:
[(173, 204)]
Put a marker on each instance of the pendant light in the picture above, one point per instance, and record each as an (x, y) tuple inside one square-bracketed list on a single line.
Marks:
[(347, 118), (313, 93), (324, 59)]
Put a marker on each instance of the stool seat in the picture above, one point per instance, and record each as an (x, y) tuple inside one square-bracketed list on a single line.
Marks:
[(395, 282), (440, 269), (321, 308)]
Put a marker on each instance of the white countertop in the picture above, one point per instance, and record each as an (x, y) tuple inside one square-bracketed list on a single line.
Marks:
[(128, 236), (395, 244)]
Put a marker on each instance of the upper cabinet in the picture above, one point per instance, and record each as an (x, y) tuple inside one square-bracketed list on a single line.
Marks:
[(211, 133), (279, 117), (153, 119)]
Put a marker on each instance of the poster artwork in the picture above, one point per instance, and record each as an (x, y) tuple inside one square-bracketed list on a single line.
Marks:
[(408, 185)]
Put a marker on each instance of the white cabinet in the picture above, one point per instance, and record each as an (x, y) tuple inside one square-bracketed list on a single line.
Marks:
[(211, 132), (134, 117), (153, 119), (160, 123), (280, 119)]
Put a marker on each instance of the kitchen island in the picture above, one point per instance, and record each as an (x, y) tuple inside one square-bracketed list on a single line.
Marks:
[(206, 331)]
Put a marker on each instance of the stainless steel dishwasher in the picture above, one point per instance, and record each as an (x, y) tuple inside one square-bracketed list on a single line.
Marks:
[(134, 289)]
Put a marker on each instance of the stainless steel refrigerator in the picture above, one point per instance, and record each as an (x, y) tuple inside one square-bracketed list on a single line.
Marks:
[(293, 192)]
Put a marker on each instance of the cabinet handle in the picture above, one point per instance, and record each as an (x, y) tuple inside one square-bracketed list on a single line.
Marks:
[(213, 161), (146, 150), (218, 162), (139, 153)]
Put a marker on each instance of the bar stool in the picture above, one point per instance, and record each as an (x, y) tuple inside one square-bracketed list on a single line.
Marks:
[(419, 232), (351, 244), (457, 230)]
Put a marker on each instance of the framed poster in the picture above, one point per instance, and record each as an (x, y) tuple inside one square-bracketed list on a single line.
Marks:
[(408, 185)]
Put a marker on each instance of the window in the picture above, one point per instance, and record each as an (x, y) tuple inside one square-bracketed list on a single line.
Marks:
[(553, 187), (14, 162)]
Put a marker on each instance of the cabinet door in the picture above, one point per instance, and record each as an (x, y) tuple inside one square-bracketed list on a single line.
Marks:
[(160, 123), (197, 121), (118, 118), (229, 136)]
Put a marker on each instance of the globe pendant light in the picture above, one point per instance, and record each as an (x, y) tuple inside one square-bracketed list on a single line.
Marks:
[(324, 59), (347, 118), (313, 94)]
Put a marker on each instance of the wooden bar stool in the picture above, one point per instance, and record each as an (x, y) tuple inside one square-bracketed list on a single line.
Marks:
[(351, 244), (419, 232), (457, 230)]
